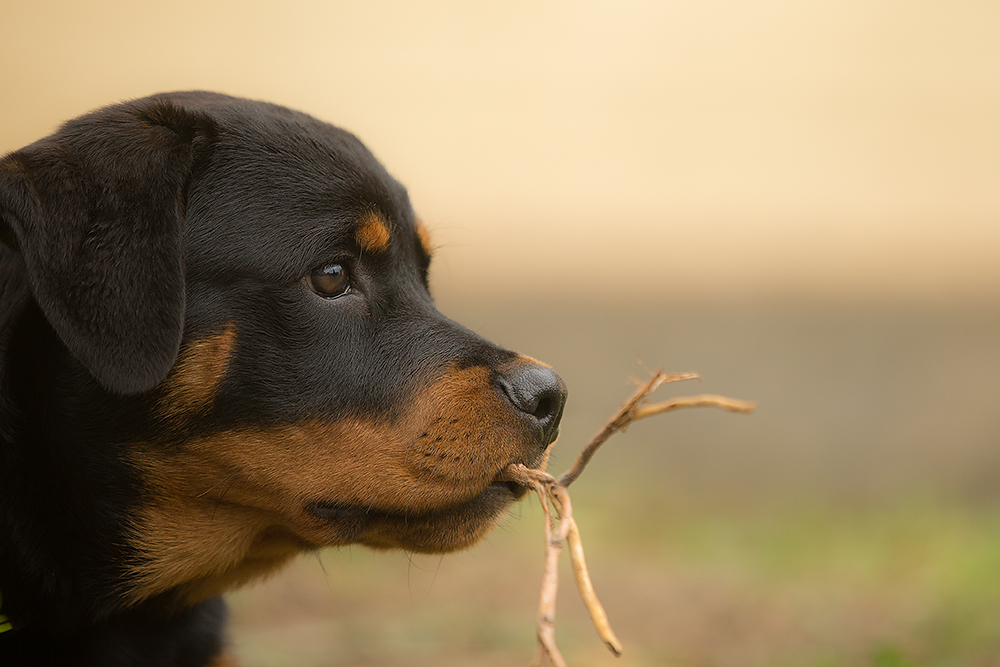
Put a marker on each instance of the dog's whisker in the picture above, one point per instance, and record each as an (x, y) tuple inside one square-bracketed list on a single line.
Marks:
[(406, 456), (216, 485), (222, 494)]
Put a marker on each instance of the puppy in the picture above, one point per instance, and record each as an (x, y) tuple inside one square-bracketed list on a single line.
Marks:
[(218, 350)]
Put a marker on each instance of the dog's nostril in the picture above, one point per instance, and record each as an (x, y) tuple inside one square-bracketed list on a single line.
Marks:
[(544, 407), (536, 391)]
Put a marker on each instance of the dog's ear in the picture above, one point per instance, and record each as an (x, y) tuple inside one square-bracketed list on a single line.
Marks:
[(96, 212)]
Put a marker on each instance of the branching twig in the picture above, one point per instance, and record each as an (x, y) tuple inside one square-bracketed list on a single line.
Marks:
[(555, 493), (620, 421)]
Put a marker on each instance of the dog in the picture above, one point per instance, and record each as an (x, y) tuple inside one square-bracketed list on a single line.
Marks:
[(218, 350)]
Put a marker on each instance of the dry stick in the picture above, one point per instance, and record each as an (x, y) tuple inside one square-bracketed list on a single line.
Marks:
[(549, 490), (554, 491), (586, 588), (540, 482), (620, 420), (700, 401), (547, 602)]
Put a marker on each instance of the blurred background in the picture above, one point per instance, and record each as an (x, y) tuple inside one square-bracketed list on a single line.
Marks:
[(798, 200)]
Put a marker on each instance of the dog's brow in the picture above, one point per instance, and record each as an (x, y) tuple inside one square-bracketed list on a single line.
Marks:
[(372, 232), (424, 237)]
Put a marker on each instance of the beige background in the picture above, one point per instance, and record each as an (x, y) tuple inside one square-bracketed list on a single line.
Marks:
[(841, 148), (798, 199)]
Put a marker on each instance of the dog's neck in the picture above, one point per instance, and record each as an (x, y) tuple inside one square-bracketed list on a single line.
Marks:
[(51, 615), (38, 564)]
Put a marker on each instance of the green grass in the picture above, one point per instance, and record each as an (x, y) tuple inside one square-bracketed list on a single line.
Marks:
[(913, 585)]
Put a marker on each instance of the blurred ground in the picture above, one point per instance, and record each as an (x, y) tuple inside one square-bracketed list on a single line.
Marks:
[(853, 520)]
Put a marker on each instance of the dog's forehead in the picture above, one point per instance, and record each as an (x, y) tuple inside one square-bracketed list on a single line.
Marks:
[(276, 178)]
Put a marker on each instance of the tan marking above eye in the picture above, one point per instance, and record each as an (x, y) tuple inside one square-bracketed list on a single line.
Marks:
[(372, 233), (424, 237)]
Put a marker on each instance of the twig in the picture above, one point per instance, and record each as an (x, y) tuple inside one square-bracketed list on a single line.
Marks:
[(700, 401), (583, 584), (554, 492), (620, 420), (541, 482)]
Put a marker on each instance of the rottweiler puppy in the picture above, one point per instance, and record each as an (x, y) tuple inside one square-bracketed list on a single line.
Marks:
[(218, 350)]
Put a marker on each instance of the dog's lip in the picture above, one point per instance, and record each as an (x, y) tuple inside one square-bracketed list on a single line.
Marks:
[(333, 511), (515, 489)]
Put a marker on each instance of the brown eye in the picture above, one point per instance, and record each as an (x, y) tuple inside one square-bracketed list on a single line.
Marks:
[(329, 281)]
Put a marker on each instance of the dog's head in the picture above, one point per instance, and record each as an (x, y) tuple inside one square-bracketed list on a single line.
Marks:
[(239, 297)]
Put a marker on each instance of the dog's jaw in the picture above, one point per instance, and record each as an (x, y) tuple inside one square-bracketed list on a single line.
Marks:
[(225, 508)]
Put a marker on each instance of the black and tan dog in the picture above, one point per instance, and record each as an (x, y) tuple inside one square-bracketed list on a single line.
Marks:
[(218, 350)]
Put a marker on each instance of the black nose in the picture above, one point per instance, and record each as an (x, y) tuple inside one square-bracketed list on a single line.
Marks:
[(538, 392)]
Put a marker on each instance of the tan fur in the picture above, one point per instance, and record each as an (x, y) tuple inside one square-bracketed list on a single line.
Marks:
[(14, 165), (225, 660), (194, 380), (372, 233), (227, 508), (532, 360), (424, 237)]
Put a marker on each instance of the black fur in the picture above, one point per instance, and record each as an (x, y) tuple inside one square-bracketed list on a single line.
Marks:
[(137, 229)]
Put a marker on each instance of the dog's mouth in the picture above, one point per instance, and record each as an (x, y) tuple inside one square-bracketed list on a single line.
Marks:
[(445, 529), (357, 513), (516, 490)]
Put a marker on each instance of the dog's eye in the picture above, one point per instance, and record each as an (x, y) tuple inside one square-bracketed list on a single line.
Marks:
[(329, 281)]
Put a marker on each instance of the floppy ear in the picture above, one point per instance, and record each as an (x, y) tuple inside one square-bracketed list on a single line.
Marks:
[(96, 212)]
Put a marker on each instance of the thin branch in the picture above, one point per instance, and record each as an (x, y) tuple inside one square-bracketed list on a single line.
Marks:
[(583, 584), (554, 493), (620, 420), (700, 401)]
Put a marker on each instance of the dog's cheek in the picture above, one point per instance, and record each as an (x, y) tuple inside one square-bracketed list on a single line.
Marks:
[(192, 384), (200, 553), (223, 509), (442, 532)]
